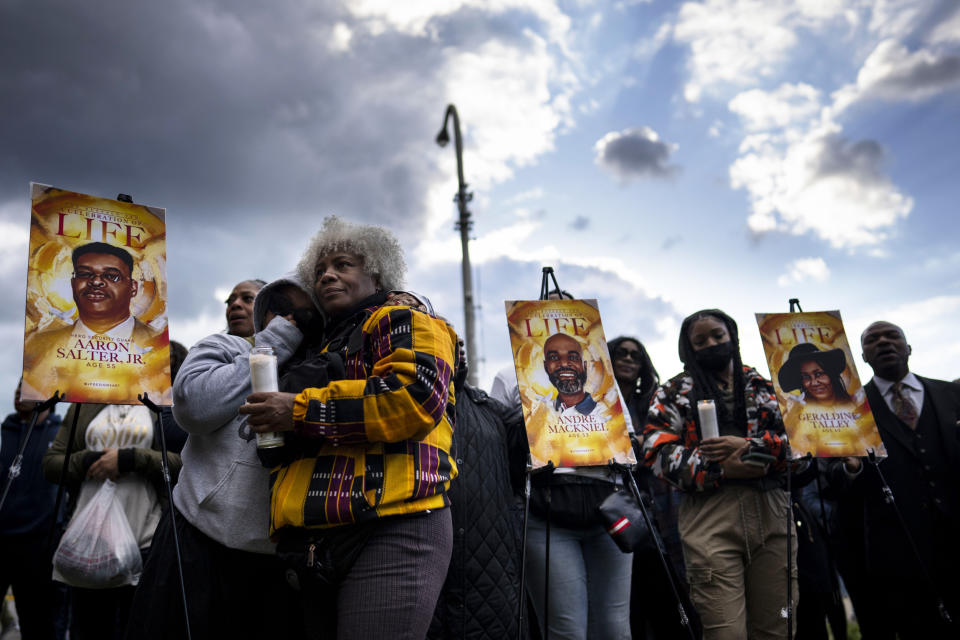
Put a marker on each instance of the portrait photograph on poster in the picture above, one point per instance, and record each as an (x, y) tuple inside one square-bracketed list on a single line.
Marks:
[(96, 303), (824, 406), (571, 402)]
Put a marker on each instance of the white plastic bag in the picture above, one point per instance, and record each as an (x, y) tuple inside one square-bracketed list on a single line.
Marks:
[(98, 550)]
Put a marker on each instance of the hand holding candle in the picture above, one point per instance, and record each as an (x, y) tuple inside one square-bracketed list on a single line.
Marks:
[(715, 447), (263, 379)]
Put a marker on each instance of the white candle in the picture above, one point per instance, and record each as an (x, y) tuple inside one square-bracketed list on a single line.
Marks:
[(708, 419), (263, 372), (263, 378)]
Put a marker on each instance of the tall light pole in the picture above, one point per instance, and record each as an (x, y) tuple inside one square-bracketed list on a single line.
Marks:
[(463, 225)]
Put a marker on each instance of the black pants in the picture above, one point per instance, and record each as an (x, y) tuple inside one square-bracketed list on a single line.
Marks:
[(230, 593), (25, 564)]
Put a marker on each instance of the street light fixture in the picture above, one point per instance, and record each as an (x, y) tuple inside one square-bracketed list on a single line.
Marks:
[(463, 225)]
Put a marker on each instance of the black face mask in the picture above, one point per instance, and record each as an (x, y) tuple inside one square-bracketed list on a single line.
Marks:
[(716, 357)]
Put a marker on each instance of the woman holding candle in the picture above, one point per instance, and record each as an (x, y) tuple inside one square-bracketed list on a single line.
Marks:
[(360, 510), (222, 497), (733, 514)]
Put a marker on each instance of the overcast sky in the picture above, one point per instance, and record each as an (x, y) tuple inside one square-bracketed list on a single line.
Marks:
[(662, 156)]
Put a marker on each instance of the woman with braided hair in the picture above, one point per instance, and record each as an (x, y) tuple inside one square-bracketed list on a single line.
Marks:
[(732, 518)]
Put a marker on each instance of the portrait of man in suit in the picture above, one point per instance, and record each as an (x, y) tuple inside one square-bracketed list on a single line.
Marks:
[(106, 341), (103, 287)]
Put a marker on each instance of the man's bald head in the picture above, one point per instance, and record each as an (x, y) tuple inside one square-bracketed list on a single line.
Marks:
[(886, 350), (563, 362), (561, 341), (880, 324)]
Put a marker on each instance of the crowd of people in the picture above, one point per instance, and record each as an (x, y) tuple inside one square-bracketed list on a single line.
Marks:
[(394, 507)]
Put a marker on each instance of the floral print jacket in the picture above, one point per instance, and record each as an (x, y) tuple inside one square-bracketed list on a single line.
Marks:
[(671, 443)]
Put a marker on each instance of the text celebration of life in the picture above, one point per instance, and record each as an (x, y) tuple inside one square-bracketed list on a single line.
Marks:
[(824, 407), (571, 401), (96, 323)]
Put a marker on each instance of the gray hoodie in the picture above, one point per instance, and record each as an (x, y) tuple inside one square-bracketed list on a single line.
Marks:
[(223, 489)]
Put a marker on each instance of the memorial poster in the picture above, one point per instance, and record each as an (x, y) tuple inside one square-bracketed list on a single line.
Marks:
[(96, 323), (571, 403), (824, 407)]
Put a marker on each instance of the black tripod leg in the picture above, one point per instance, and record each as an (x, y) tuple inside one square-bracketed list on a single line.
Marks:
[(62, 483), (789, 516), (888, 497), (546, 573), (173, 520), (521, 595), (684, 618)]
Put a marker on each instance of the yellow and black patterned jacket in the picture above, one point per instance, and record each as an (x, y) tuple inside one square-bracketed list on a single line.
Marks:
[(379, 439)]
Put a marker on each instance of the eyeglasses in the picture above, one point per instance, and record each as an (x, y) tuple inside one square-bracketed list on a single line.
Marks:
[(110, 275), (620, 353), (820, 376)]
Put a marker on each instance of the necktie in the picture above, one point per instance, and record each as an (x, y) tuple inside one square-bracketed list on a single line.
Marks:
[(903, 406)]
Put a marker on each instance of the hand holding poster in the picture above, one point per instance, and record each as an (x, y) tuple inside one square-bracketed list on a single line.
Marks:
[(570, 398), (96, 327), (824, 407)]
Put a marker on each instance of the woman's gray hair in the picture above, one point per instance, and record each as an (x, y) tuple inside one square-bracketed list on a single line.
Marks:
[(379, 248)]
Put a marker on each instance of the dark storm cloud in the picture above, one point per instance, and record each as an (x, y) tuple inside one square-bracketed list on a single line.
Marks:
[(922, 76), (228, 108), (580, 223), (243, 119), (240, 118), (862, 160), (634, 154)]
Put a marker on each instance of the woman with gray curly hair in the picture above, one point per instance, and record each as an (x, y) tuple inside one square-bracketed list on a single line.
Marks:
[(359, 506)]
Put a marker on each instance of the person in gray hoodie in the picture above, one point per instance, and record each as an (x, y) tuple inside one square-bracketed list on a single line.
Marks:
[(222, 497)]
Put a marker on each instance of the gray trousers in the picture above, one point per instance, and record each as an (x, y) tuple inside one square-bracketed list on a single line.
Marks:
[(392, 588)]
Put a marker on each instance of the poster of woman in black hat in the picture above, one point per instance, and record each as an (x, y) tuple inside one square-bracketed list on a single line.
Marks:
[(823, 403)]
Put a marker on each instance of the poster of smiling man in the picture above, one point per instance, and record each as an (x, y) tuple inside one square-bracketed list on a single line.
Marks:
[(570, 398), (824, 406), (96, 325)]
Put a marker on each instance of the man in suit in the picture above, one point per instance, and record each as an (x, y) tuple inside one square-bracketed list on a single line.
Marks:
[(918, 422)]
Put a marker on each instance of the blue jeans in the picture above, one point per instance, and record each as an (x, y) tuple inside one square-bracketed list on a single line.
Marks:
[(589, 582)]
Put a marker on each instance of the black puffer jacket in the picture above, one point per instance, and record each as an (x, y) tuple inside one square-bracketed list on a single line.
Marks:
[(480, 595)]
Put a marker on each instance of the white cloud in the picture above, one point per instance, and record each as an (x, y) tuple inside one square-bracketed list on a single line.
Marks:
[(13, 247), (647, 47), (801, 173), (803, 270), (891, 72), (925, 322), (190, 330), (635, 153), (947, 31), (530, 194), (414, 18), (340, 37), (821, 183), (788, 104), (737, 42), (498, 138)]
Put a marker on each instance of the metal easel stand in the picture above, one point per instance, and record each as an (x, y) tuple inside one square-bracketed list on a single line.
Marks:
[(794, 302), (145, 400), (548, 470), (16, 465), (889, 499), (626, 471), (548, 275)]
